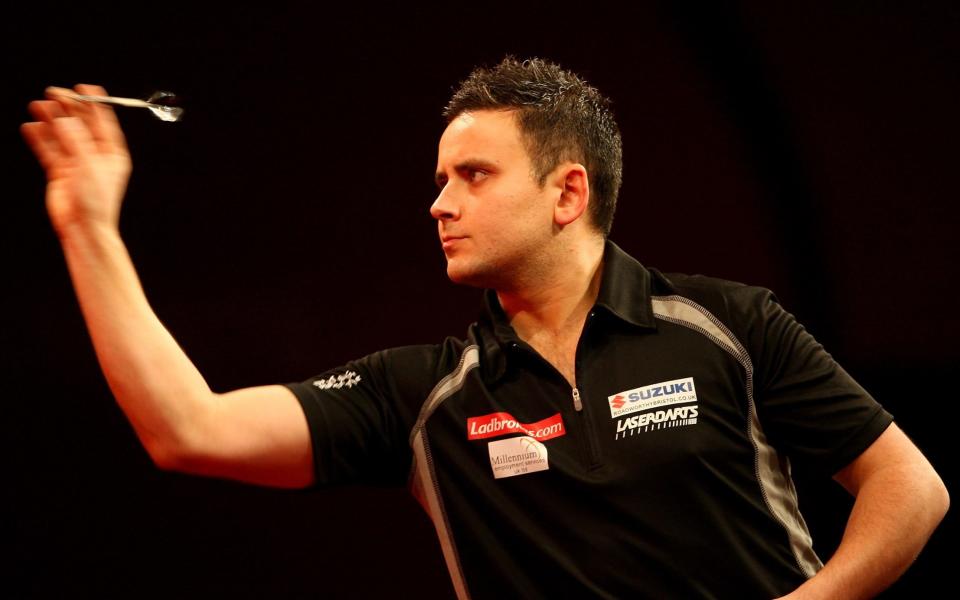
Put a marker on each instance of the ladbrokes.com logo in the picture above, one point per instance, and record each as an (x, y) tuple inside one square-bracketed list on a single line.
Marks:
[(502, 423)]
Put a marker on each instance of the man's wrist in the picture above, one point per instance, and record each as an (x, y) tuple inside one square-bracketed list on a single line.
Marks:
[(86, 231)]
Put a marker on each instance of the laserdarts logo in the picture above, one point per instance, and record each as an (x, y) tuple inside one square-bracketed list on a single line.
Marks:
[(657, 419), (657, 395)]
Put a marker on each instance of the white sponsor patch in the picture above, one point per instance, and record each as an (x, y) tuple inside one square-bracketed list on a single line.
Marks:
[(665, 393), (517, 456)]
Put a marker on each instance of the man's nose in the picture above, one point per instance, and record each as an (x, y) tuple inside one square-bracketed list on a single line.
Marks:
[(445, 206)]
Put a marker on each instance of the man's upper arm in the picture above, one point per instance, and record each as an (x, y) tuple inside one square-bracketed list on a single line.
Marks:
[(892, 450), (255, 435), (347, 425)]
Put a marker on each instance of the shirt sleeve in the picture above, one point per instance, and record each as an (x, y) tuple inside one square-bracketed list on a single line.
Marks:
[(359, 418), (809, 406)]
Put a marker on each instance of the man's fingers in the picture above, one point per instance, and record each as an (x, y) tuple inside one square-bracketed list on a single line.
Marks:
[(74, 108), (99, 120), (40, 135), (103, 121), (73, 137), (40, 139), (45, 110), (68, 127)]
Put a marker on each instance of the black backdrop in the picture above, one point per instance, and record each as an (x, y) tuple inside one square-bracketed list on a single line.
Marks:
[(283, 228)]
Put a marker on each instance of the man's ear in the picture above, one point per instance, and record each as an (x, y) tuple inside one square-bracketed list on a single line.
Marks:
[(574, 195)]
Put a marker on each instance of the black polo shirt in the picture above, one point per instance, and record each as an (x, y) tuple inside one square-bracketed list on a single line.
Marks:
[(664, 474)]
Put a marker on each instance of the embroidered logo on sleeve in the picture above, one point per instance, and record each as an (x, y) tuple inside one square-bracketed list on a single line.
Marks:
[(517, 456), (335, 382)]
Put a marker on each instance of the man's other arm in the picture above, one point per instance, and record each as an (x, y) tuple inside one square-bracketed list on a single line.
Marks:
[(258, 435), (900, 500)]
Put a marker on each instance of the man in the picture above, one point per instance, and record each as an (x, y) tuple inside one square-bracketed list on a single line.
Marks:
[(604, 430)]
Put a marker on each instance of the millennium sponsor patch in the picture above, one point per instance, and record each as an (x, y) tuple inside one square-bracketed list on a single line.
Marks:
[(503, 423), (667, 393), (517, 456)]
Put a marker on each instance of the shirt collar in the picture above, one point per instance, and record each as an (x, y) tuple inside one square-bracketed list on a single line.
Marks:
[(625, 287), (625, 290)]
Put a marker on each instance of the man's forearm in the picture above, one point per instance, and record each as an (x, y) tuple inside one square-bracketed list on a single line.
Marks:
[(156, 385), (897, 507)]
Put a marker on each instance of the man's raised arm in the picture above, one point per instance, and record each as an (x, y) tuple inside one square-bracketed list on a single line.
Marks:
[(258, 435)]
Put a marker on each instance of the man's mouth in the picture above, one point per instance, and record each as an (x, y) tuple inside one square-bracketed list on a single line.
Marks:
[(449, 241)]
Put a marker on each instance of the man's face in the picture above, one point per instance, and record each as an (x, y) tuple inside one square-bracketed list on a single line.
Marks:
[(492, 215)]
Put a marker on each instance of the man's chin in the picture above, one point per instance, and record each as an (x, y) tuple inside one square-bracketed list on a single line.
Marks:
[(471, 277)]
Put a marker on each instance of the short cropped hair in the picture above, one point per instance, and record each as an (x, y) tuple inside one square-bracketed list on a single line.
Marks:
[(560, 117)]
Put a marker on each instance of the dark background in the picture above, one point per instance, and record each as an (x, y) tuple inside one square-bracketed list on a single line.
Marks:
[(283, 228)]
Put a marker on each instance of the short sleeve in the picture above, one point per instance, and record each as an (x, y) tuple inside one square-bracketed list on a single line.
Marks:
[(358, 423), (809, 407)]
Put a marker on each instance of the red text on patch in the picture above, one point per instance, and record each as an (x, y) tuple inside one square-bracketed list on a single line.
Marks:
[(501, 423)]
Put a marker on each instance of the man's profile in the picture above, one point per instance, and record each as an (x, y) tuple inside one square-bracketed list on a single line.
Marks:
[(604, 430)]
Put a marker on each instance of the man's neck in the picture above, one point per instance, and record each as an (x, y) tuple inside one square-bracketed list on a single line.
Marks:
[(558, 302)]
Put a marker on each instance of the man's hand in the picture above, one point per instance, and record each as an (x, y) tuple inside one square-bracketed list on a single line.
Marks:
[(83, 151)]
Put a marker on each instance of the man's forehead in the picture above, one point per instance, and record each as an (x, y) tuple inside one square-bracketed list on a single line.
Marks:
[(472, 118), (481, 131)]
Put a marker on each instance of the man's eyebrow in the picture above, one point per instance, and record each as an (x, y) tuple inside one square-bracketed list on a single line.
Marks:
[(465, 165)]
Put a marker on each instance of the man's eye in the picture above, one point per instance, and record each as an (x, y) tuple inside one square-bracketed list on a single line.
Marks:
[(476, 175)]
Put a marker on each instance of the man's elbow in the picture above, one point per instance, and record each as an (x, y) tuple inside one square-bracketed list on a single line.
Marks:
[(929, 496), (178, 452), (168, 457), (939, 497), (209, 460)]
